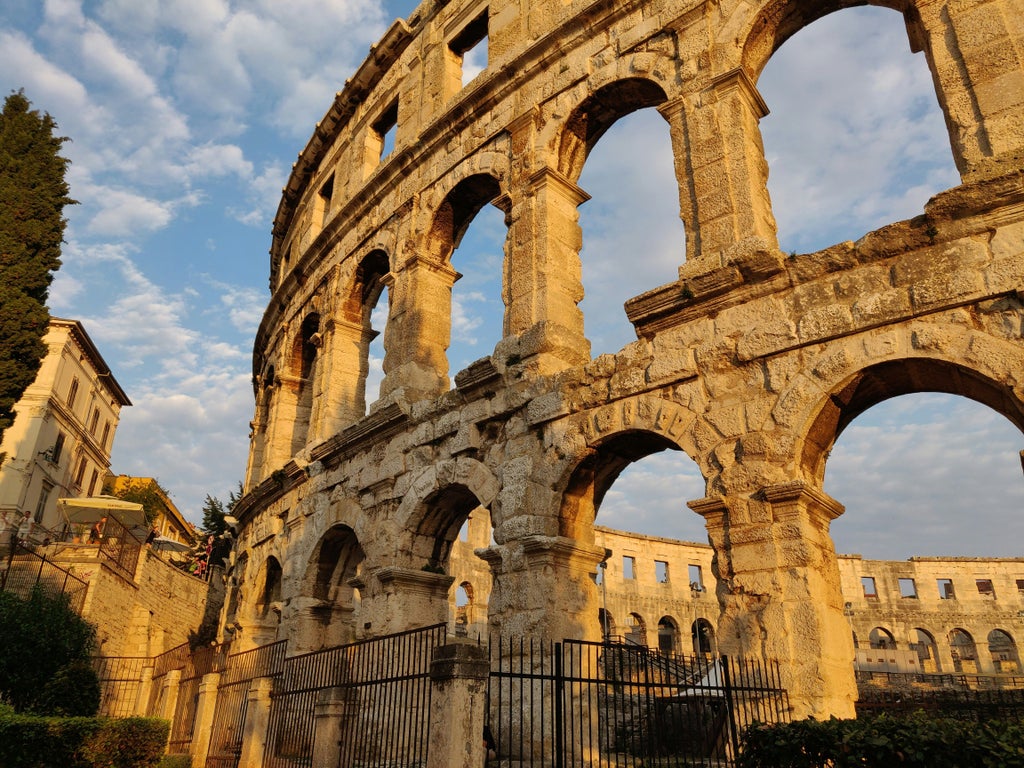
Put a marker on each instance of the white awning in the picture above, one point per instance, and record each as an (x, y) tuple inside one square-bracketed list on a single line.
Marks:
[(90, 510)]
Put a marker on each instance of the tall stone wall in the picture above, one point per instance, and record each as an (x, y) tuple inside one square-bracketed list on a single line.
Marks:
[(751, 363)]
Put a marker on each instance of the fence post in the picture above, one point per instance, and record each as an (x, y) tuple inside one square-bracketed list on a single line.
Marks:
[(205, 707), (458, 679), (332, 714), (169, 699), (257, 723), (730, 703), (144, 693)]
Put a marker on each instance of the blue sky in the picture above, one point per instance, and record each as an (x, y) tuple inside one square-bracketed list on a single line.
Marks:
[(186, 116)]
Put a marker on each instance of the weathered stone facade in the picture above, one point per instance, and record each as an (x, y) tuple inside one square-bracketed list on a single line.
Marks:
[(751, 363)]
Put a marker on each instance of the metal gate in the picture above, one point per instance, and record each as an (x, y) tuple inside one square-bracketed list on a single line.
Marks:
[(232, 699), (578, 703)]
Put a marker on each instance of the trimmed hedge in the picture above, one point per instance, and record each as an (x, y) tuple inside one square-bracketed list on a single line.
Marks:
[(29, 741), (917, 741)]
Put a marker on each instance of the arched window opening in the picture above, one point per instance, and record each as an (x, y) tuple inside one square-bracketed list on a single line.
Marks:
[(838, 172), (636, 632), (470, 232), (1003, 649), (899, 467), (668, 635), (964, 652), (370, 305), (607, 622), (270, 595), (463, 604), (702, 635), (881, 639), (445, 512), (640, 485), (303, 364), (634, 209), (927, 651)]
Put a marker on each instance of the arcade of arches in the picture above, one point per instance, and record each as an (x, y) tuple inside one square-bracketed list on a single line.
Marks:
[(751, 363)]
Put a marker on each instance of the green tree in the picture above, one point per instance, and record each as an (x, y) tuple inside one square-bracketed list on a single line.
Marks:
[(145, 491), (213, 516), (44, 652), (33, 194)]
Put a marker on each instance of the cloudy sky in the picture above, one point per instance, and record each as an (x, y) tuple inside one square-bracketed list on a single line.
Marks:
[(186, 115)]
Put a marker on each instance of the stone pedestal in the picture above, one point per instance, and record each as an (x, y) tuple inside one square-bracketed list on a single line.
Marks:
[(458, 676), (257, 722), (334, 715), (202, 729)]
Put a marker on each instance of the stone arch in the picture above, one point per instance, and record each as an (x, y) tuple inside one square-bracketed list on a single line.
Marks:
[(607, 623), (464, 599), (702, 635), (593, 116), (637, 632), (927, 650), (1003, 650), (328, 603), (302, 379), (668, 635), (973, 365), (354, 331), (602, 442), (881, 638), (964, 651)]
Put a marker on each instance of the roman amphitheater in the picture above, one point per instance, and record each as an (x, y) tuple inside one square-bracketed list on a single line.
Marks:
[(751, 363)]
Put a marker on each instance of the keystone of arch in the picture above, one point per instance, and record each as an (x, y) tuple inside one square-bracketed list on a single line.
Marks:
[(464, 471)]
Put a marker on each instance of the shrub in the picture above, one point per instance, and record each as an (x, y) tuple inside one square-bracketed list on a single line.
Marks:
[(175, 761), (73, 692), (30, 741), (918, 741)]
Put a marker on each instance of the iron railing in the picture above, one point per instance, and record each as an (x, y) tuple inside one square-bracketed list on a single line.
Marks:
[(23, 570), (120, 683), (232, 698), (979, 705), (576, 703), (175, 658), (200, 663), (383, 689)]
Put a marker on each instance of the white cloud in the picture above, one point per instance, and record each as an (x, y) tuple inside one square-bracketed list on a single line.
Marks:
[(123, 213)]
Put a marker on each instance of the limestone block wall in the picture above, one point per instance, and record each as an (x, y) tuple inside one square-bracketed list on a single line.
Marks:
[(752, 362)]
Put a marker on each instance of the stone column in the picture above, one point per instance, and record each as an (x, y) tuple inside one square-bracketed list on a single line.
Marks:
[(342, 378), (277, 450), (396, 599), (419, 330), (543, 285), (169, 695), (144, 693), (255, 730), (780, 595), (458, 677), (334, 715), (720, 161), (976, 53), (202, 731)]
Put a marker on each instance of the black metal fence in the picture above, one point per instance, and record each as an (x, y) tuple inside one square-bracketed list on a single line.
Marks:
[(120, 683), (232, 697), (23, 569), (382, 687), (577, 703), (200, 663), (175, 658)]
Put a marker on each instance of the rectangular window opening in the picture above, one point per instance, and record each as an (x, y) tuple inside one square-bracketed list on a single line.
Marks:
[(696, 578), (946, 589), (661, 571), (908, 588), (324, 202), (868, 584), (628, 567), (72, 393), (471, 46), (1020, 586), (92, 482), (985, 587), (386, 127), (58, 448)]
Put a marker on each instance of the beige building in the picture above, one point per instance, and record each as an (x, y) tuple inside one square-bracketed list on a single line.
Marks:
[(752, 361), (59, 445), (169, 522)]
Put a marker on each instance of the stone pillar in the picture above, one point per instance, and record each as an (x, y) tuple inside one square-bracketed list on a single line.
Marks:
[(277, 450), (419, 330), (144, 693), (343, 367), (976, 53), (720, 161), (255, 730), (458, 676), (780, 595), (334, 715), (543, 285), (169, 695), (544, 587), (202, 731), (396, 599)]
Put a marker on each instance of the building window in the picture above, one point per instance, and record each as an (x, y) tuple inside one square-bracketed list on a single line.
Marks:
[(94, 421), (323, 203), (72, 393), (44, 496), (868, 585), (470, 48), (908, 588), (985, 587), (385, 129), (80, 472), (58, 448), (1020, 586), (946, 589), (106, 434), (661, 571), (628, 567), (696, 578), (92, 482)]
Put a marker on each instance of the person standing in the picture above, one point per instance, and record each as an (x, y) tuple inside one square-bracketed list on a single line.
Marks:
[(25, 529)]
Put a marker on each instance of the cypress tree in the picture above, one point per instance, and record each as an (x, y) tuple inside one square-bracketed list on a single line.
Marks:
[(33, 194)]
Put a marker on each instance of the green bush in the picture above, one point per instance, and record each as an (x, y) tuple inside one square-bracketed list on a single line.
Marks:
[(73, 692), (918, 741), (30, 741), (175, 761)]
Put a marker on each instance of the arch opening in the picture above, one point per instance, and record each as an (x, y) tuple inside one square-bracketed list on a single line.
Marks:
[(702, 635), (1003, 650), (329, 589)]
